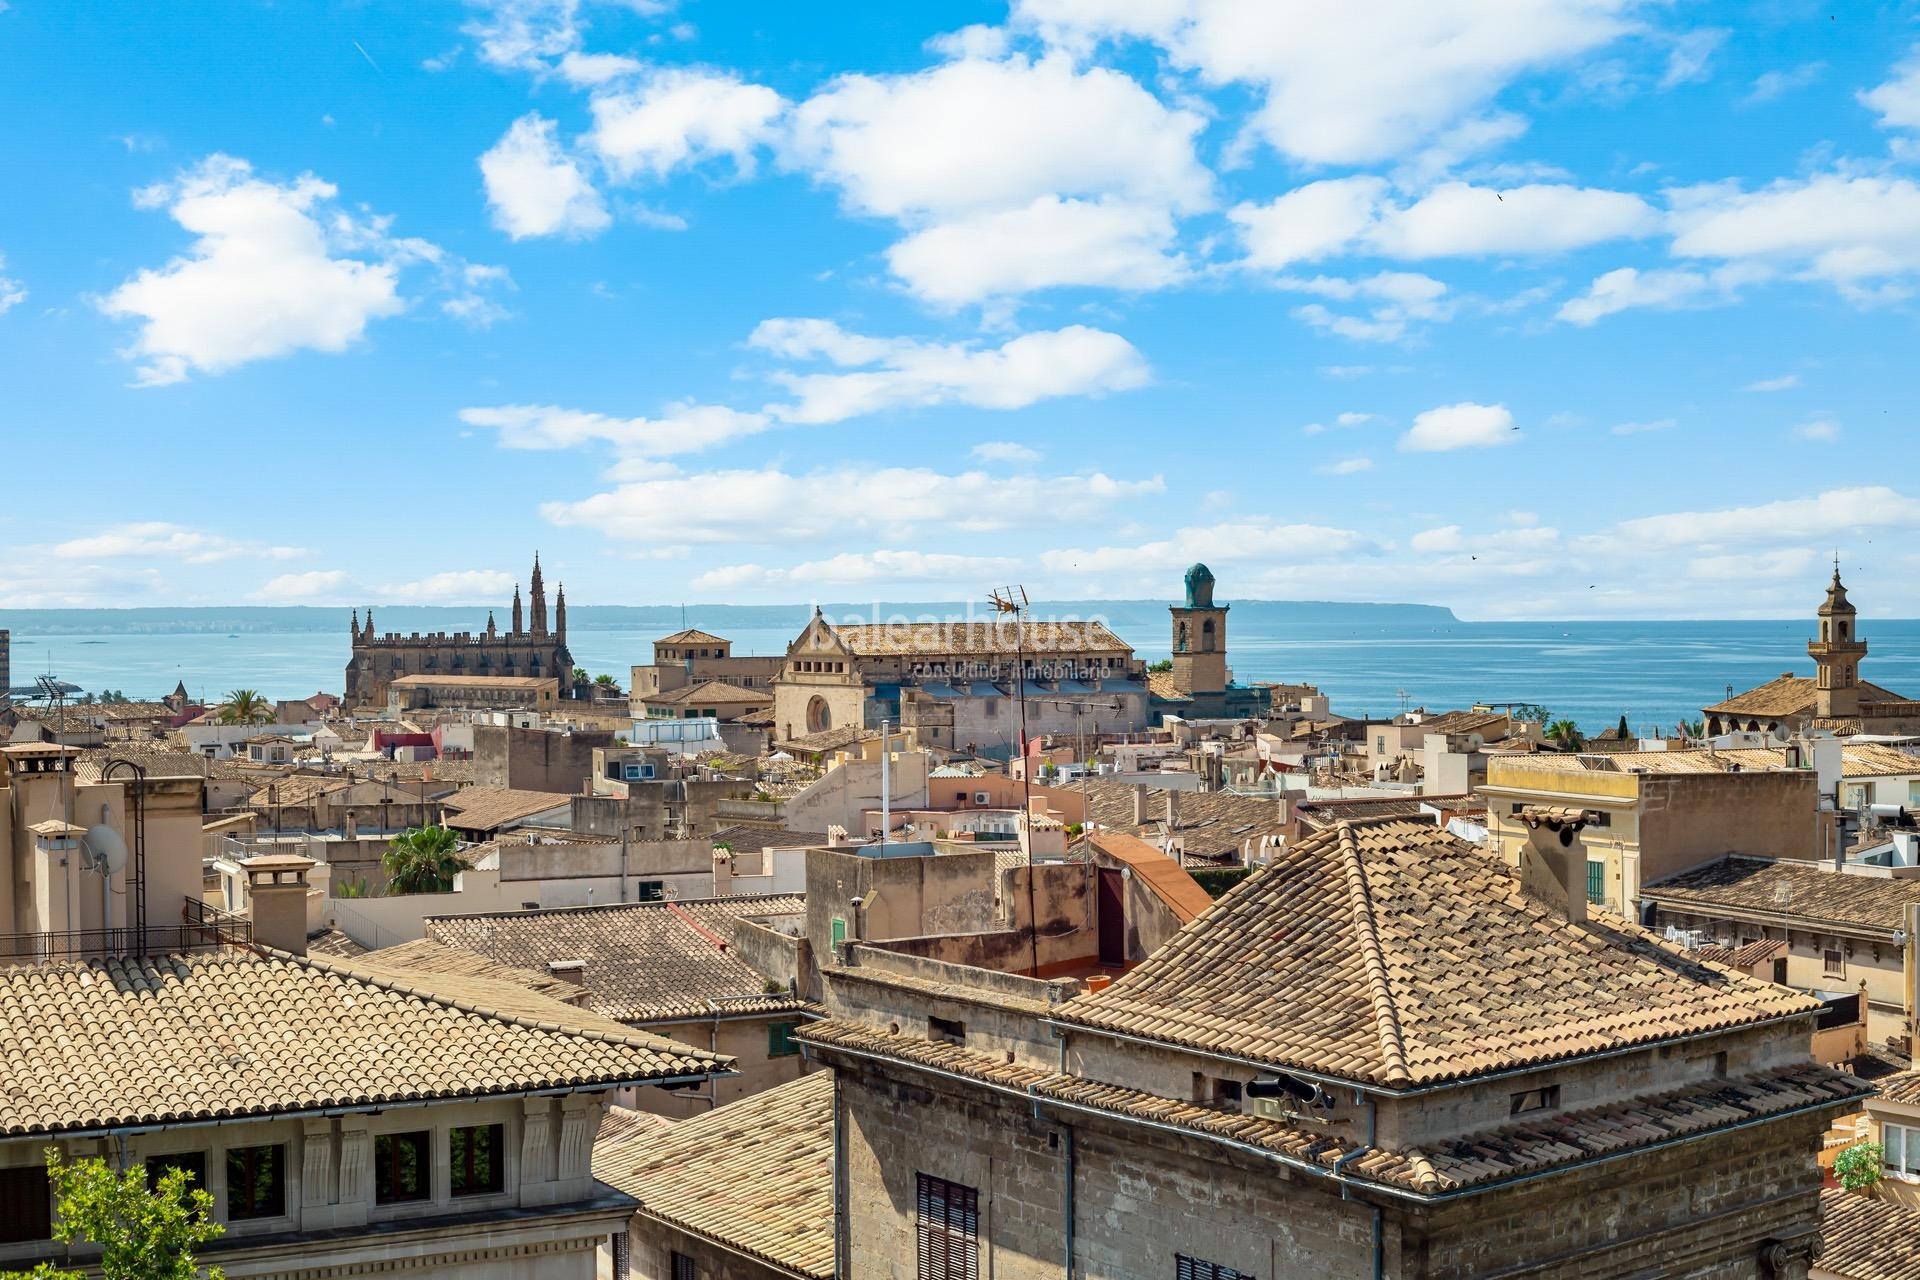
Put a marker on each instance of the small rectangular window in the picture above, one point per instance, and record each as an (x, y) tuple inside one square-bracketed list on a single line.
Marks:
[(780, 1041), (1833, 962), (402, 1167), (194, 1162), (1545, 1098), (947, 1030), (651, 890), (1186, 1268), (26, 1204), (683, 1268), (1596, 881), (256, 1182), (478, 1155), (947, 1230)]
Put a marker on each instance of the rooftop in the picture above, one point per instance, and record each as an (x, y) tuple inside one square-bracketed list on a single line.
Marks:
[(1392, 954), (1808, 891), (1208, 821), (470, 682), (755, 1175), (1868, 1239), (712, 693), (692, 635), (184, 1039), (935, 639), (1789, 695), (1319, 815), (488, 808), (645, 961), (1164, 877)]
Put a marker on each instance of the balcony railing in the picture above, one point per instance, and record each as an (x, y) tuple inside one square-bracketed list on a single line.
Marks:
[(201, 928)]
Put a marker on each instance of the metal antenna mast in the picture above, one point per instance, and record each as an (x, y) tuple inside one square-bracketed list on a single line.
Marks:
[(1013, 601)]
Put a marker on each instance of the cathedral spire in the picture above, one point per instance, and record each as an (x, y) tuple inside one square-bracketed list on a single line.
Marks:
[(560, 614), (537, 593), (518, 626)]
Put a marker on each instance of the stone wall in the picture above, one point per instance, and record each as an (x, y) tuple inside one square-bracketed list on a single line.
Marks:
[(535, 759)]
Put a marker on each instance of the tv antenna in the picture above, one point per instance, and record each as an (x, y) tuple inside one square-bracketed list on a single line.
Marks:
[(1013, 601)]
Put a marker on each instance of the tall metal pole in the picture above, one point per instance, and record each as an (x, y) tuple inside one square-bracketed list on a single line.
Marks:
[(886, 786)]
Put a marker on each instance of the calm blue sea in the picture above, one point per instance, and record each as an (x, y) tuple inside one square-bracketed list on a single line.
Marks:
[(1593, 672)]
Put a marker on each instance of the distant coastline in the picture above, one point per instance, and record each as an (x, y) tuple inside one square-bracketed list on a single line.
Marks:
[(308, 619)]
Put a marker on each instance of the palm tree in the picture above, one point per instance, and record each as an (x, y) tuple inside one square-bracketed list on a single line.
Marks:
[(1565, 733), (1690, 729), (423, 860), (604, 681), (244, 706)]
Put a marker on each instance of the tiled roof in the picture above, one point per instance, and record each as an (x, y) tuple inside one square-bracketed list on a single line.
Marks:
[(1319, 815), (1868, 1239), (1789, 695), (625, 1125), (489, 808), (713, 693), (755, 1175), (1804, 890), (1490, 724), (645, 962), (334, 943), (158, 764), (1481, 1158), (831, 739), (1393, 954), (201, 1037), (294, 788), (1740, 760), (1162, 685), (1165, 878), (1903, 1088), (1876, 760), (692, 635), (424, 955), (1209, 821), (933, 639), (1742, 957), (749, 839)]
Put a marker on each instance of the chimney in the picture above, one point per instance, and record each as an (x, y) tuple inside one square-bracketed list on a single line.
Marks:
[(277, 890), (1173, 809), (353, 825), (1553, 862), (574, 971), (1139, 804), (722, 872)]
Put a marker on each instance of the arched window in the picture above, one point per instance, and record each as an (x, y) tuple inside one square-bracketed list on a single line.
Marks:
[(1843, 630), (818, 717), (1206, 636)]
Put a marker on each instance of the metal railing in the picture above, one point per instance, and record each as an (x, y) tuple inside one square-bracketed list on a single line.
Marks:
[(201, 928)]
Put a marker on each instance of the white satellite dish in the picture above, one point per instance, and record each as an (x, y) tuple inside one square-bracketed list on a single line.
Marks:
[(106, 851)]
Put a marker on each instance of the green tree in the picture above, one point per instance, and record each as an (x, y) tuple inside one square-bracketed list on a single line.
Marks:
[(1858, 1167), (1165, 664), (581, 677), (423, 860), (1531, 712), (1566, 734), (244, 706), (604, 680), (143, 1234), (1690, 729)]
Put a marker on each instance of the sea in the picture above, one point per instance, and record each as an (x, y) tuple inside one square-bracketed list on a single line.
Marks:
[(1371, 662)]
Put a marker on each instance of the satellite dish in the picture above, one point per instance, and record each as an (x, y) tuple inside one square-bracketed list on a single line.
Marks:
[(106, 851)]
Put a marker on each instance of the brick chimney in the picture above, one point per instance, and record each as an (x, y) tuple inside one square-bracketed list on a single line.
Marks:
[(1139, 804), (277, 890), (1553, 862)]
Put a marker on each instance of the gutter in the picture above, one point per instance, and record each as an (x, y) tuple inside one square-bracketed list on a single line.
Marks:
[(1380, 1091), (1321, 1171)]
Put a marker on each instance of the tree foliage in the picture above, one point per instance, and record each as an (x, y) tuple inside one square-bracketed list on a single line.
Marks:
[(1858, 1167), (1567, 734), (1531, 712), (143, 1234), (244, 706), (1165, 664), (423, 860)]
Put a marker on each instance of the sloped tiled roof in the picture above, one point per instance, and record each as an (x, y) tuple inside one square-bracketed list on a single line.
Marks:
[(1166, 687), (1320, 815), (1789, 695), (489, 808), (750, 839), (1876, 760), (1742, 957), (692, 635), (201, 1037), (1486, 1157), (1165, 878), (713, 693), (1208, 822), (1804, 890), (1902, 1087), (424, 955), (645, 961), (755, 1175), (1391, 953), (1868, 1239), (933, 639), (333, 942)]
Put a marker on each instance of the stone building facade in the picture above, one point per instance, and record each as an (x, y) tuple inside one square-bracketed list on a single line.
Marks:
[(528, 648)]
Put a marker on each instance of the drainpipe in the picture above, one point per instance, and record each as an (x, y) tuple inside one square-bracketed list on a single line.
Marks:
[(713, 1043), (840, 1260), (1346, 1188), (886, 786)]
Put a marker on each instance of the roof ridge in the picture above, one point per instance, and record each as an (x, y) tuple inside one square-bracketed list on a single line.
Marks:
[(614, 906), (1393, 1049)]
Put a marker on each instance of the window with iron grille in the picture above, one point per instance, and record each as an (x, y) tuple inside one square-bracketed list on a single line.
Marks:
[(1185, 1268), (948, 1230), (1596, 881), (26, 1204), (683, 1268)]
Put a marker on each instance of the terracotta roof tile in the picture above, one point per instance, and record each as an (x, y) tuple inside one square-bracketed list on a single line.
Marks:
[(1167, 879), (201, 1037), (1742, 957), (490, 808), (1789, 695), (986, 638), (645, 961), (755, 1175), (692, 635), (1868, 1239), (1393, 954), (1805, 890)]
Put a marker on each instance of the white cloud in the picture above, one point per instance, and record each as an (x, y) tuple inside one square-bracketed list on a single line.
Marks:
[(1641, 428), (12, 292), (1348, 466), (1689, 55), (681, 117), (1664, 288), (592, 69), (775, 506), (535, 188), (898, 372), (1347, 84), (1309, 223), (1460, 426), (1769, 85), (684, 428), (524, 34), (1833, 512), (1357, 419), (321, 585), (1047, 244), (962, 574), (1004, 451), (1897, 102), (1784, 382), (455, 585), (1847, 231), (1395, 300), (1256, 540), (1821, 430), (274, 268), (158, 539), (976, 41), (973, 135)]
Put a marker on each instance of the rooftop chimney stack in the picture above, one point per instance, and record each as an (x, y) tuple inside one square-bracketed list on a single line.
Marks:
[(1553, 862), (277, 889), (1139, 805)]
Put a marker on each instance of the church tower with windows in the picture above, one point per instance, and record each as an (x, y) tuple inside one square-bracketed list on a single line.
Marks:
[(1836, 653), (1199, 637)]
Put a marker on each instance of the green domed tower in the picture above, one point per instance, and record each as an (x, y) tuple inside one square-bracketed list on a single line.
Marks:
[(1199, 637)]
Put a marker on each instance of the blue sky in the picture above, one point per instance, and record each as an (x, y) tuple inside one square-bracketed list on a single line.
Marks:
[(1533, 308)]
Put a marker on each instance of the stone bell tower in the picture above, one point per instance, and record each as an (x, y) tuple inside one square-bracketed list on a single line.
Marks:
[(1836, 653), (1199, 637)]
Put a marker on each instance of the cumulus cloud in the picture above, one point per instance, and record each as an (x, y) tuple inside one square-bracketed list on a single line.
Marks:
[(454, 585), (1004, 451), (680, 117), (535, 188), (683, 428), (315, 585), (1858, 233), (776, 506), (161, 540), (889, 373), (1823, 517), (1897, 102), (273, 268), (1661, 288), (12, 292), (1347, 85), (1460, 426), (958, 573), (1393, 301), (1047, 244)]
